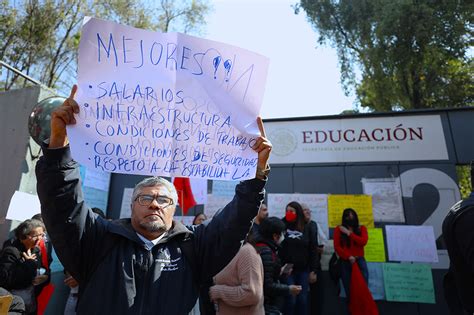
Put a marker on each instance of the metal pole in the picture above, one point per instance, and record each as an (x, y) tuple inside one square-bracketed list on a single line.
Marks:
[(4, 64)]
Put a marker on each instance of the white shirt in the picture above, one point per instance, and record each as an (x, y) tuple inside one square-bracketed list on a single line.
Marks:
[(322, 238), (150, 244)]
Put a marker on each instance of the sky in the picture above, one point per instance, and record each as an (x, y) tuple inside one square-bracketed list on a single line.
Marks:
[(303, 77)]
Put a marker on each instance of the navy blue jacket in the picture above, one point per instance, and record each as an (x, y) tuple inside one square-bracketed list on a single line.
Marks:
[(116, 273), (302, 251)]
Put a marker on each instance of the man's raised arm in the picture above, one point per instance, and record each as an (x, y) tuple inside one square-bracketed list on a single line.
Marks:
[(60, 118), (62, 204), (219, 240)]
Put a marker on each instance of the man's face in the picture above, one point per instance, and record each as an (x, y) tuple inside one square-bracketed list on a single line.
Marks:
[(307, 214), (152, 218), (263, 211)]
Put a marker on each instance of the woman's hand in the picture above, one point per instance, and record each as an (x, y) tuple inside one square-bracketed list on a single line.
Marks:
[(213, 294), (28, 255), (286, 270), (352, 259), (295, 289), (313, 277), (345, 230)]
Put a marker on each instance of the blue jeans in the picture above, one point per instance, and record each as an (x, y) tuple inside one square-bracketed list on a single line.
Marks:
[(346, 273), (297, 305)]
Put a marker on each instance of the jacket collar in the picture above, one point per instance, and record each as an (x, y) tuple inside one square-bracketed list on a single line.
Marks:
[(273, 246), (123, 227), (18, 244)]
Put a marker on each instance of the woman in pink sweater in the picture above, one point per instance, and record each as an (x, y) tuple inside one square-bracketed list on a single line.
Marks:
[(238, 287)]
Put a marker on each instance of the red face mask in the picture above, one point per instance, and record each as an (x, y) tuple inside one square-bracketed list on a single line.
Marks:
[(290, 216)]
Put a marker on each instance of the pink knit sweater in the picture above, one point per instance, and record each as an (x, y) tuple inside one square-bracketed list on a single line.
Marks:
[(239, 286)]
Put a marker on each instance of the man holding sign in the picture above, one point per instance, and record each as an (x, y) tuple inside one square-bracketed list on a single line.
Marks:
[(149, 264)]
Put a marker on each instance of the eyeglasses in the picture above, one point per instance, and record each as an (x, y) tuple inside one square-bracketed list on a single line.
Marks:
[(37, 237), (146, 200)]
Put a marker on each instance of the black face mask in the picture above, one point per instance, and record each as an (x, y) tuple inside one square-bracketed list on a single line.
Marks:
[(351, 222)]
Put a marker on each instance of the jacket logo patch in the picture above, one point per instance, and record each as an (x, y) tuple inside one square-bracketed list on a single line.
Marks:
[(172, 265), (165, 261), (294, 234)]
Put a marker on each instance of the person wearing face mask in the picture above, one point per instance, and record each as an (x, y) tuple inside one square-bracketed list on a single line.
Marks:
[(21, 268), (271, 235), (349, 241), (299, 248)]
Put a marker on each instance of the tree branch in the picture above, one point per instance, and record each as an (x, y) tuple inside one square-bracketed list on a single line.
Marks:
[(345, 35)]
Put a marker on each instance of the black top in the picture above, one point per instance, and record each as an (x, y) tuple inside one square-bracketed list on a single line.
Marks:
[(301, 248), (17, 272), (273, 290)]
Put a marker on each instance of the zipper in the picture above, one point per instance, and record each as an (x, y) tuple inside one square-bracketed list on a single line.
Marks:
[(149, 264)]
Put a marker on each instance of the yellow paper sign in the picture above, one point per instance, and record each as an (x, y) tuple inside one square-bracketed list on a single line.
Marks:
[(375, 248), (362, 204), (5, 302)]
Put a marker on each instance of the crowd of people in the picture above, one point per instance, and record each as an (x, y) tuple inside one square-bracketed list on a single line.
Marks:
[(239, 262), (276, 270), (150, 263)]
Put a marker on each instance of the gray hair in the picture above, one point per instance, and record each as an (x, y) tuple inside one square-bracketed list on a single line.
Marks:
[(156, 181), (305, 206), (26, 227)]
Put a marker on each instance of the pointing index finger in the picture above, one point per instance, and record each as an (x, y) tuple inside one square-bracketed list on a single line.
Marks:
[(260, 126), (73, 91)]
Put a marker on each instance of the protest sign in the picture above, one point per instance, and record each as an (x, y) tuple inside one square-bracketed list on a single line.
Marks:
[(327, 253), (386, 195), (376, 283), (408, 283), (443, 260), (95, 186), (23, 206), (362, 204), (411, 243), (126, 207), (166, 104), (215, 203), (375, 249), (97, 179), (317, 203), (96, 198), (224, 188)]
